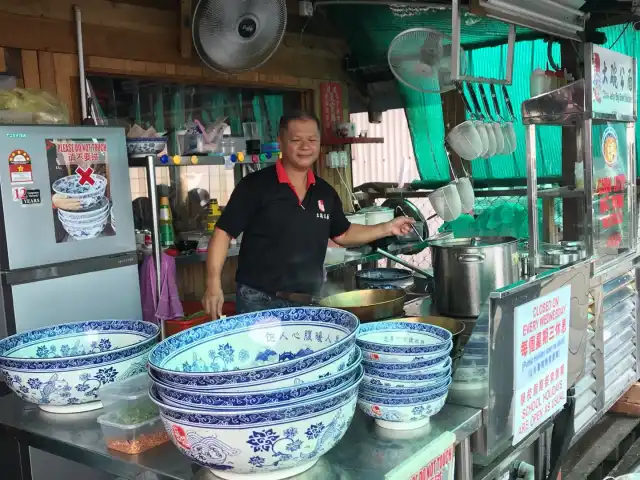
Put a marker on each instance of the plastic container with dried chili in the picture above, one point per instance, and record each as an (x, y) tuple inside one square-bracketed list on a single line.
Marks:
[(132, 438)]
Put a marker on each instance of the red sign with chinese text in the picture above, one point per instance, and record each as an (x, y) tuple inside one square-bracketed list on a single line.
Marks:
[(331, 107)]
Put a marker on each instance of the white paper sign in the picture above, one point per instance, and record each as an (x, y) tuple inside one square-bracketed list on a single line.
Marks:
[(541, 332), (613, 81), (436, 461)]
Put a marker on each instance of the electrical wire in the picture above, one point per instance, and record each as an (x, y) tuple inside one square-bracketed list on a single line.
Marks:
[(620, 36)]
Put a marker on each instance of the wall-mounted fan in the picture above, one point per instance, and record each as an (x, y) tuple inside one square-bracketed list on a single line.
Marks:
[(235, 36), (420, 58)]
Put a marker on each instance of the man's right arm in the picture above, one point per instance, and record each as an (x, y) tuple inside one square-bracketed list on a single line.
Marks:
[(213, 298)]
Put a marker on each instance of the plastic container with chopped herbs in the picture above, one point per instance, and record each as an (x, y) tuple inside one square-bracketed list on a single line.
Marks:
[(132, 438), (131, 395)]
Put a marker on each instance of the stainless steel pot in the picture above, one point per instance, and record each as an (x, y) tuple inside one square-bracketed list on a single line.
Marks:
[(467, 270)]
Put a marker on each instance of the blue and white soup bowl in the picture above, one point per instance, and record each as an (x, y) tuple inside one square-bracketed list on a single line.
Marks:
[(84, 231), (279, 348), (410, 358), (427, 365), (270, 443), (143, 146), (404, 338), (88, 194), (403, 413), (390, 378), (62, 368), (262, 398), (86, 215), (377, 389), (80, 221)]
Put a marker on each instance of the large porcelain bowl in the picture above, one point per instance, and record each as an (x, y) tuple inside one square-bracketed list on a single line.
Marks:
[(400, 379), (403, 338), (409, 359), (397, 412), (274, 348), (376, 389), (62, 368), (263, 398), (87, 193), (270, 443)]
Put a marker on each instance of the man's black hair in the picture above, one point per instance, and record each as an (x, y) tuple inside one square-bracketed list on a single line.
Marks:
[(299, 115)]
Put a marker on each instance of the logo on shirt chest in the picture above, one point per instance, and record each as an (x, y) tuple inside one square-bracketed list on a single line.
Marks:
[(322, 214)]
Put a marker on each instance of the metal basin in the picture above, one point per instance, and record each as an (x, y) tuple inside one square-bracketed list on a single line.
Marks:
[(368, 305), (384, 278)]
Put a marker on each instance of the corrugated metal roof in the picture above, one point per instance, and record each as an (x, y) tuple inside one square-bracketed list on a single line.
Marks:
[(384, 163)]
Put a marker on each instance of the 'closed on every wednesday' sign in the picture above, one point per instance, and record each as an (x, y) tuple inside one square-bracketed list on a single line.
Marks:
[(436, 461), (541, 332)]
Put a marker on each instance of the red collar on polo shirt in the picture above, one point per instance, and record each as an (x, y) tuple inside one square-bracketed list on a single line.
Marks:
[(284, 178)]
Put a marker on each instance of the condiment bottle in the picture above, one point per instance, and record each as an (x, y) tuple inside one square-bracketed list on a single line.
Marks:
[(165, 223)]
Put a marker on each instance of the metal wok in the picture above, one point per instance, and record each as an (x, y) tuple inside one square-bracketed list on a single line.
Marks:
[(368, 305)]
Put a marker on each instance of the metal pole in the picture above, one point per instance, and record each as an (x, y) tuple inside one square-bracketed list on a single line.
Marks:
[(532, 198), (587, 162), (155, 231), (464, 460), (83, 78), (455, 40)]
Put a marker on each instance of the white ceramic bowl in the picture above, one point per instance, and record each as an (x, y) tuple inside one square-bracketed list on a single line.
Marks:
[(406, 380), (262, 398), (141, 147), (402, 412), (395, 337), (269, 443), (278, 348), (88, 194), (62, 368)]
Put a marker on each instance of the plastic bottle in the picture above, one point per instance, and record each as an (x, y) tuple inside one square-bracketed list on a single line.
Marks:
[(214, 215)]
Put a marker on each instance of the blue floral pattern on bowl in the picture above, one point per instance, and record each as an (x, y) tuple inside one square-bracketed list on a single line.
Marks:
[(285, 440), (409, 359), (254, 348), (397, 412), (403, 337), (87, 193), (140, 147), (90, 219), (268, 398)]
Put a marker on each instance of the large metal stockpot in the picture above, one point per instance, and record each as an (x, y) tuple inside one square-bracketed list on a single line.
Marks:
[(467, 270)]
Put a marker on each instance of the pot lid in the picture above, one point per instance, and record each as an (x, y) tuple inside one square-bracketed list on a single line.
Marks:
[(474, 242)]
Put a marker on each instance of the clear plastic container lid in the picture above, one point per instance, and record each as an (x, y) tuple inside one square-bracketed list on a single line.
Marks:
[(112, 419), (131, 389)]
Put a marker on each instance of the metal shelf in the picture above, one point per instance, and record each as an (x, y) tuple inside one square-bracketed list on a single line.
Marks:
[(194, 160)]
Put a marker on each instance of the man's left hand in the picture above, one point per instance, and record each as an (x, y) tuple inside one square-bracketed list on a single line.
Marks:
[(400, 226)]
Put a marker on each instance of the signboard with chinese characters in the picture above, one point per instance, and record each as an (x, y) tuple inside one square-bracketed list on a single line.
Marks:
[(610, 178), (541, 332), (613, 78), (331, 107), (436, 461)]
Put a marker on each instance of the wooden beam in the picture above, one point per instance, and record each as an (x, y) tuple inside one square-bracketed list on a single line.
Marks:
[(185, 28), (47, 72), (313, 58), (30, 69), (3, 61)]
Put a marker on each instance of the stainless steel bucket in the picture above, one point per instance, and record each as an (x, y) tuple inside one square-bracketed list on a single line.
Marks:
[(467, 270)]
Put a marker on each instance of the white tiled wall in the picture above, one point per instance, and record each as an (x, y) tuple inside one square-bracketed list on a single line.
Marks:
[(217, 180)]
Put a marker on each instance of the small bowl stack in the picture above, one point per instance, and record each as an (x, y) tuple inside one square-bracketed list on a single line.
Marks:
[(407, 372), (92, 217), (261, 394)]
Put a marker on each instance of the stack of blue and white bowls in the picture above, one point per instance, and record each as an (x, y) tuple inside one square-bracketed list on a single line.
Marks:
[(264, 393), (407, 372)]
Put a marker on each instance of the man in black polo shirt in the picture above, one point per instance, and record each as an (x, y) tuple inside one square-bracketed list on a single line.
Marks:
[(286, 215)]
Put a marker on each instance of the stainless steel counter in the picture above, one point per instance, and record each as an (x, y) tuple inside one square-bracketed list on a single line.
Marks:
[(365, 452)]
